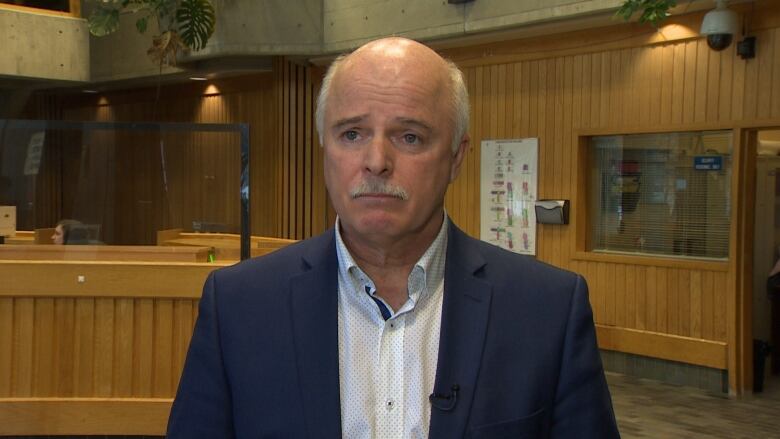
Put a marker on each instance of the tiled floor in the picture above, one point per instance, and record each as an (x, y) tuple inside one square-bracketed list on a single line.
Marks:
[(648, 409)]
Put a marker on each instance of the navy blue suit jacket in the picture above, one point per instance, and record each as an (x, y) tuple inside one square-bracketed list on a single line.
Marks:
[(517, 337)]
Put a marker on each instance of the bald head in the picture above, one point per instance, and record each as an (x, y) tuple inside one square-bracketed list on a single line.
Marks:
[(398, 60)]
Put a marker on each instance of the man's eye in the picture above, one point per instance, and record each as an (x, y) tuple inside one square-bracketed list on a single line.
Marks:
[(411, 139), (350, 135)]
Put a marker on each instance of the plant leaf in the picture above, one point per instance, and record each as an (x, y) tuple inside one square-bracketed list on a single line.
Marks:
[(196, 20), (103, 21), (165, 47), (141, 24), (653, 11)]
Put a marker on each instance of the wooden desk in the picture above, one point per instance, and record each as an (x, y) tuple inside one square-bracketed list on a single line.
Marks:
[(227, 247), (21, 237)]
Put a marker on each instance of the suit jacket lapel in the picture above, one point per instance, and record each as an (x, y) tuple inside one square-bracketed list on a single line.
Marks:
[(464, 322), (314, 306)]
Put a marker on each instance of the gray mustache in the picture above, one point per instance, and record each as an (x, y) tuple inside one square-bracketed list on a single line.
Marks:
[(379, 187)]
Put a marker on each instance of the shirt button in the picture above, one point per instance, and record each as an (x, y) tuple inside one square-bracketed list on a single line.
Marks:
[(390, 404)]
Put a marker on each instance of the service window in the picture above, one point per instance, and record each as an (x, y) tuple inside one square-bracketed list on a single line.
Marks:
[(665, 194)]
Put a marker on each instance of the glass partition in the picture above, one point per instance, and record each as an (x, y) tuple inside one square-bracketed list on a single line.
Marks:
[(124, 183)]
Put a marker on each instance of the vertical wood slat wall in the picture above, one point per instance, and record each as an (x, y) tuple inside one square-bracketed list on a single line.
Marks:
[(302, 207)]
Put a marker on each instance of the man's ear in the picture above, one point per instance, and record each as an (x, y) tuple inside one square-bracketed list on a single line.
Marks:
[(457, 159)]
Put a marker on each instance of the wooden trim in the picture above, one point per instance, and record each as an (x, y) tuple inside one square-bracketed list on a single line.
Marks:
[(654, 129), (75, 8), (651, 261), (772, 124), (145, 253), (39, 11), (84, 416), (104, 279), (581, 198), (762, 124), (668, 347), (740, 304)]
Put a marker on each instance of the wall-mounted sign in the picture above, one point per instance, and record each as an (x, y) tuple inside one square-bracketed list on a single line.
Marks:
[(508, 192), (708, 162)]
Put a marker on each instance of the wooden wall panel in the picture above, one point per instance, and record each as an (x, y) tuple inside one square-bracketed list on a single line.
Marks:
[(302, 209), (93, 347), (668, 85), (6, 344), (22, 353)]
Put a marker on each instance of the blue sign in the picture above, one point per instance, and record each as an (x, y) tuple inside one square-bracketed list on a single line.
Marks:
[(708, 163)]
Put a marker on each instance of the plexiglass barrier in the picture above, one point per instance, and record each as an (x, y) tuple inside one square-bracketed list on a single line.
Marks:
[(119, 184)]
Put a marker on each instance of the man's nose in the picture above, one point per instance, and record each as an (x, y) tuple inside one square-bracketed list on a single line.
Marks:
[(378, 156)]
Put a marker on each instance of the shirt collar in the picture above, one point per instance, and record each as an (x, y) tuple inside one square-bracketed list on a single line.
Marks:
[(428, 271)]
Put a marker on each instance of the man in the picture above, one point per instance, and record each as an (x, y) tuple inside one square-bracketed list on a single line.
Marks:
[(394, 324)]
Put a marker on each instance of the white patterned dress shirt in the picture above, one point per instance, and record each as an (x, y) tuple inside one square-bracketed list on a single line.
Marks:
[(387, 367)]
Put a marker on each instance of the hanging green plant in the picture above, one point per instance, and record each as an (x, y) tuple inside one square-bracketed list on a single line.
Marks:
[(653, 11), (183, 24)]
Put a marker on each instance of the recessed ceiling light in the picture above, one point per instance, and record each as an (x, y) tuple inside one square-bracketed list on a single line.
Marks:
[(90, 91), (199, 78)]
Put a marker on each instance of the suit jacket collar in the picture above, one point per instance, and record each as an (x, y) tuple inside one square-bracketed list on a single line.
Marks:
[(314, 306)]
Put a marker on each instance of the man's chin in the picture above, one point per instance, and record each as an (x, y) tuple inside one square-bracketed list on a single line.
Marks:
[(377, 224)]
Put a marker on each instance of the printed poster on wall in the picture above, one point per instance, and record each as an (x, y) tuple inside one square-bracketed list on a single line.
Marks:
[(508, 192)]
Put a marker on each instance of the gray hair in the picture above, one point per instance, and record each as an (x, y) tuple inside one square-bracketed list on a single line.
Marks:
[(459, 100)]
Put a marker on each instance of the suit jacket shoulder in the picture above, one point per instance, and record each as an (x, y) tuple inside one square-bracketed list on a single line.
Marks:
[(511, 273), (269, 274)]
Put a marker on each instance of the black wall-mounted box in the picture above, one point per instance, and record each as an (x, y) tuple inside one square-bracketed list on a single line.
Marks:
[(552, 211)]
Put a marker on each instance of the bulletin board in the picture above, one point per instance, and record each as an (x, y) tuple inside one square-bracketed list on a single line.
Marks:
[(508, 190)]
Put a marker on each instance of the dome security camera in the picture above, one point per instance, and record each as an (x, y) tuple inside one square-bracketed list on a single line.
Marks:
[(720, 25)]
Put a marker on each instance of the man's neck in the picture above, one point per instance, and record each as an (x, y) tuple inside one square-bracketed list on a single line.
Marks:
[(389, 263)]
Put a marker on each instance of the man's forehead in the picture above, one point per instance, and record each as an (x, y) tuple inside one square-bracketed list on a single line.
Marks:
[(402, 97), (391, 74), (411, 79)]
